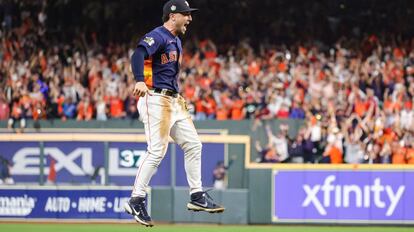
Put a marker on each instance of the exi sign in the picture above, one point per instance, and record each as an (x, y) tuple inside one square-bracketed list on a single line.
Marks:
[(84, 162), (358, 196), (78, 162), (26, 160)]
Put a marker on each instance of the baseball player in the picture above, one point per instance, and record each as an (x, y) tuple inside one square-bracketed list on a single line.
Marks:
[(155, 65)]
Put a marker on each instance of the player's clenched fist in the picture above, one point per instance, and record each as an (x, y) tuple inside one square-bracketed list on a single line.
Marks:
[(140, 89)]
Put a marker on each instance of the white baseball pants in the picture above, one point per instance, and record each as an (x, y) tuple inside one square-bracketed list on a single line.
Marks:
[(165, 116)]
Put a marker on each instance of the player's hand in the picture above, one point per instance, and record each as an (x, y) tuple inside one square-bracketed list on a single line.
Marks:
[(140, 89)]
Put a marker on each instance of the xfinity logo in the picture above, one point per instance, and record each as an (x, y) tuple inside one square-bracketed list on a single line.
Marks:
[(26, 161), (345, 195)]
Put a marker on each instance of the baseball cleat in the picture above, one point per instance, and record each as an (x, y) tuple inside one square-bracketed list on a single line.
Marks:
[(201, 201), (136, 207)]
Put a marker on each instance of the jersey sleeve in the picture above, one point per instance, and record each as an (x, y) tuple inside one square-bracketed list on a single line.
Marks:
[(151, 42), (137, 63)]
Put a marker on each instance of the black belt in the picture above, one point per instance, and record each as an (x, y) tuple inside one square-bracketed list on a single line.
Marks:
[(166, 92)]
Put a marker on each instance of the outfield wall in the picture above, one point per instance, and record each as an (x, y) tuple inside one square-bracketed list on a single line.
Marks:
[(107, 202), (109, 158), (258, 193), (76, 156)]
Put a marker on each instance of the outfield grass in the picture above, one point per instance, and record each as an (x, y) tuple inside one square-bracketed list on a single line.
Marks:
[(35, 227)]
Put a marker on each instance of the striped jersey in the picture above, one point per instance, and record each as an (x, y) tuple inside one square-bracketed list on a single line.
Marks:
[(161, 68)]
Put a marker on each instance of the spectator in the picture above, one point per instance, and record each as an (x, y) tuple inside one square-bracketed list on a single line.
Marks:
[(209, 105), (332, 154), (297, 111), (250, 108), (132, 111), (85, 109), (398, 153), (315, 136), (17, 114), (354, 148), (69, 109), (407, 116), (222, 113), (200, 112), (4, 108), (410, 152), (386, 153), (5, 177), (219, 174), (237, 107), (279, 142), (116, 107), (267, 154), (297, 149), (101, 110)]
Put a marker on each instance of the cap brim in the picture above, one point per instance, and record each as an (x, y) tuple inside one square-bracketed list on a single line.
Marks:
[(188, 10)]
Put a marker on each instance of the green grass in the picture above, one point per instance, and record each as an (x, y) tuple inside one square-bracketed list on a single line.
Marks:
[(37, 227)]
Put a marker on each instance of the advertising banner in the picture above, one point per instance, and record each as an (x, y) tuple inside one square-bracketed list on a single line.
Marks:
[(63, 203), (124, 160), (343, 196), (85, 162), (212, 154)]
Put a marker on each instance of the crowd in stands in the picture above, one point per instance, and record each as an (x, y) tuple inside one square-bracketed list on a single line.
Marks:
[(356, 95), (357, 104), (81, 80)]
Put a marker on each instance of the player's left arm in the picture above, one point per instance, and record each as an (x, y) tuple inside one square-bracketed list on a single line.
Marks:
[(145, 49)]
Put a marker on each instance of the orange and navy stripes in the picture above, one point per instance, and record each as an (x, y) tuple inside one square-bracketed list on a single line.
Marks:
[(148, 74)]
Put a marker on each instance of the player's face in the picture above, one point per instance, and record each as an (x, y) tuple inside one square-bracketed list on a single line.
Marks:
[(181, 22)]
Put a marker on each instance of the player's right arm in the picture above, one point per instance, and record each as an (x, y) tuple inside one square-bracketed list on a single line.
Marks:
[(145, 49), (137, 65)]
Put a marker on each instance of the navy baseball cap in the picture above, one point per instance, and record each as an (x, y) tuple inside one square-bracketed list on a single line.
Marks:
[(177, 6)]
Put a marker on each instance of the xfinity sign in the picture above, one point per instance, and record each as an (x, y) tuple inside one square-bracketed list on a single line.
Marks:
[(343, 196), (323, 195), (26, 161)]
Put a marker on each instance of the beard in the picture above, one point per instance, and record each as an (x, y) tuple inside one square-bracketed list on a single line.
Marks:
[(182, 29)]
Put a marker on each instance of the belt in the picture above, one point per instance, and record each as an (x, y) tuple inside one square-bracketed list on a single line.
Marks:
[(166, 92)]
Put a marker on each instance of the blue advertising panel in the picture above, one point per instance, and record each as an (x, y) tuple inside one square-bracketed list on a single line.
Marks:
[(124, 160), (75, 162), (24, 159), (357, 196), (212, 153), (84, 162), (64, 203)]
